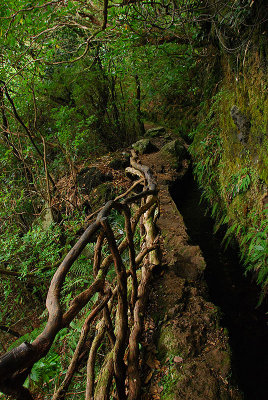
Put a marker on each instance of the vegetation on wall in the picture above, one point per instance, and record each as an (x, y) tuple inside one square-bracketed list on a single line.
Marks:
[(231, 158), (79, 79)]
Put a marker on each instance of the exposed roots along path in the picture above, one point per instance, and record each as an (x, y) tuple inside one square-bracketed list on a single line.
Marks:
[(116, 316), (191, 355), (184, 338)]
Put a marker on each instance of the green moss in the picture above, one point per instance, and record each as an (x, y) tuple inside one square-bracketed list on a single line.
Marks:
[(233, 175), (167, 342), (173, 152), (143, 146), (169, 382)]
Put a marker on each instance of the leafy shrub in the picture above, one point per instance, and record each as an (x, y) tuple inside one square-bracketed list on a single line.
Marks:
[(31, 252), (255, 250), (239, 182)]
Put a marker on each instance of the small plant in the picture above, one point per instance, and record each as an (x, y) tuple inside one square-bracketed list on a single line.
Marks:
[(255, 251), (169, 379), (240, 183), (231, 183), (32, 251), (44, 370)]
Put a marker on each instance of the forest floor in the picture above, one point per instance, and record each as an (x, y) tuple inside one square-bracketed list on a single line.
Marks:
[(187, 353)]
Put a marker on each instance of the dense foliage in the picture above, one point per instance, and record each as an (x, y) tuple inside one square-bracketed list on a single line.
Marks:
[(78, 79)]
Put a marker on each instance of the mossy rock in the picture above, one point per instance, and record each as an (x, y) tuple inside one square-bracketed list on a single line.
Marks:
[(118, 163), (155, 132), (167, 342), (174, 152), (144, 146)]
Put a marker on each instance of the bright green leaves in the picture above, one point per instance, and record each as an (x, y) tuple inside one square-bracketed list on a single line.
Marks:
[(230, 178), (31, 252), (45, 369), (35, 33), (239, 183), (256, 243)]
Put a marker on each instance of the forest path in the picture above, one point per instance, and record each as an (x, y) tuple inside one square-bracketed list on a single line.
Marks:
[(187, 351)]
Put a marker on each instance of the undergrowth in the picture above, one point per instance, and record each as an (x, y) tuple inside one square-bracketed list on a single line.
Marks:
[(47, 373)]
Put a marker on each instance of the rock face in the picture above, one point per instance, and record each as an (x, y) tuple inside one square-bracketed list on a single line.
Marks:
[(144, 146), (89, 178), (242, 123), (191, 336), (155, 132), (174, 152)]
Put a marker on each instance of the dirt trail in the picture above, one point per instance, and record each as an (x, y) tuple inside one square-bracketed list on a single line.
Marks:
[(187, 352)]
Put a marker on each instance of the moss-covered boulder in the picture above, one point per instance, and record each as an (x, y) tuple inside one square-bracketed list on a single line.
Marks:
[(155, 132), (168, 345), (174, 152), (144, 146)]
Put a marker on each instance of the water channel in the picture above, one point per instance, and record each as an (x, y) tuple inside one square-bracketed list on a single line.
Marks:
[(235, 294)]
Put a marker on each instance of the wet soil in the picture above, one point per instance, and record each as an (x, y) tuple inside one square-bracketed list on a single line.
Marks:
[(236, 295)]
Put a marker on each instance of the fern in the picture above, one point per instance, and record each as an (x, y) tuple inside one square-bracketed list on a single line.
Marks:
[(28, 337)]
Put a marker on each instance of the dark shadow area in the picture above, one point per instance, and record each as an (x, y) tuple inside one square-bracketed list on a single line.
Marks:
[(235, 294)]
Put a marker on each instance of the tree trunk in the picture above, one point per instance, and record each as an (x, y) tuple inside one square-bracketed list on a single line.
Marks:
[(138, 99)]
